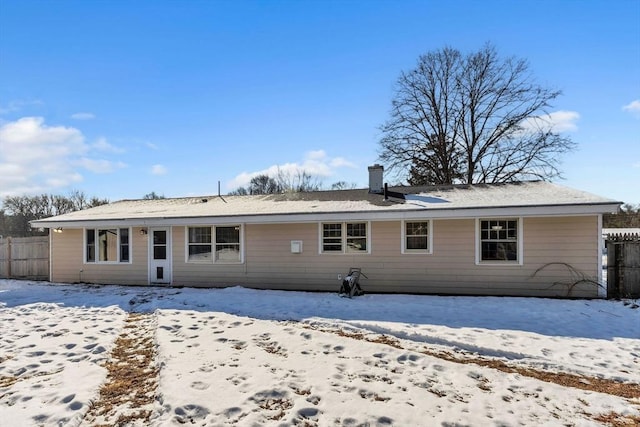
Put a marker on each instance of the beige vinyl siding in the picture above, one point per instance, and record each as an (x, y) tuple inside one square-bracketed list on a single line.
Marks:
[(67, 261), (451, 268)]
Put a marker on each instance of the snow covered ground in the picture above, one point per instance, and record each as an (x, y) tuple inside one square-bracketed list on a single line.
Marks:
[(237, 356)]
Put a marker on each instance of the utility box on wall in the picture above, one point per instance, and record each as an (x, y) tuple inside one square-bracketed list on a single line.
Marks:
[(296, 246)]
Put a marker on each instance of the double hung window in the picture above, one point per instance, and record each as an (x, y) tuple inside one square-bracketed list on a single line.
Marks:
[(416, 237), (345, 237), (499, 240), (213, 244)]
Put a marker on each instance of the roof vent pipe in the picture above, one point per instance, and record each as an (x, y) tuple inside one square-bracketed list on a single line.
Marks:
[(375, 179)]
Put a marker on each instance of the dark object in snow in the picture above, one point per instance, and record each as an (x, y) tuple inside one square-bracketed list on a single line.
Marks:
[(350, 285)]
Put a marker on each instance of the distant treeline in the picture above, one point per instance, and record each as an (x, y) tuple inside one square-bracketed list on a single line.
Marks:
[(17, 211), (628, 216)]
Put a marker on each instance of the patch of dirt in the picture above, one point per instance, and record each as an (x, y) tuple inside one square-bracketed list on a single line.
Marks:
[(128, 396), (617, 420)]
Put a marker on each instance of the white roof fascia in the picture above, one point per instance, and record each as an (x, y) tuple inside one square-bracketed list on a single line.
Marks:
[(458, 213)]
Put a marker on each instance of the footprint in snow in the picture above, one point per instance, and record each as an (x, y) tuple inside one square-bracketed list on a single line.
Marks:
[(199, 385), (190, 414)]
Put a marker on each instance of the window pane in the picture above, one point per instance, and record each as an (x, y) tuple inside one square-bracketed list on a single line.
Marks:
[(124, 253), (499, 251), (357, 230), (124, 236), (199, 234), (108, 245), (227, 235), (332, 230), (159, 237), (356, 244), (332, 245), (417, 228), (414, 242), (160, 252), (124, 245), (199, 252), (227, 252), (91, 245)]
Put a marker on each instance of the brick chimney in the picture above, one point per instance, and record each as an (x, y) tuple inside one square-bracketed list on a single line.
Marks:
[(376, 179)]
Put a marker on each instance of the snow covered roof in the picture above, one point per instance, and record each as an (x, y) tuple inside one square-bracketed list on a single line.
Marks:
[(452, 201)]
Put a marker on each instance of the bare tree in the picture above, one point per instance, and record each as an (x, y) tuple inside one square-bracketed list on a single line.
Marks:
[(299, 181), (153, 196), (20, 210), (628, 216), (469, 119), (343, 185)]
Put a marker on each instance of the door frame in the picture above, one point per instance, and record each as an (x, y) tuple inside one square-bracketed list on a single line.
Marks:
[(168, 262)]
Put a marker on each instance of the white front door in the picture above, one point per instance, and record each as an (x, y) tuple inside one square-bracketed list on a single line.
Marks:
[(160, 255)]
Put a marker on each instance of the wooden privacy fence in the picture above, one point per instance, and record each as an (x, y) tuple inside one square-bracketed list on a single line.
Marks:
[(623, 265), (24, 258)]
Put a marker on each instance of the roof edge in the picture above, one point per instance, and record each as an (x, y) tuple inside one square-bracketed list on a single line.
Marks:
[(419, 212)]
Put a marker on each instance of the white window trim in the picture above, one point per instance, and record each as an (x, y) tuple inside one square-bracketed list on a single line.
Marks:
[(343, 238), (403, 240), (97, 261), (213, 244), (519, 261)]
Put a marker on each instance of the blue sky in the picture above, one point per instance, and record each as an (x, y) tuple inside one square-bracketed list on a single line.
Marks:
[(118, 99)]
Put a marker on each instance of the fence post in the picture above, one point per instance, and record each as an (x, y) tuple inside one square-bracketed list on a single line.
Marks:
[(620, 261), (9, 257)]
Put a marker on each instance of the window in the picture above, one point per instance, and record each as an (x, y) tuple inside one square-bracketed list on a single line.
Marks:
[(91, 246), (202, 247), (331, 237), (199, 244), (228, 244), (499, 240), (107, 245), (416, 237), (124, 244), (350, 237)]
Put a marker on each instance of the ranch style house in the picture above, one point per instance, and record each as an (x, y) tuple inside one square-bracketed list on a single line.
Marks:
[(531, 238)]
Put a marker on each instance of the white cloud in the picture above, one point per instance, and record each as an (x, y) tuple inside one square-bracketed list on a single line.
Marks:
[(103, 145), (100, 166), (633, 107), (316, 163), (558, 121), (341, 162), (83, 116), (38, 158), (158, 170), (18, 105), (34, 155)]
